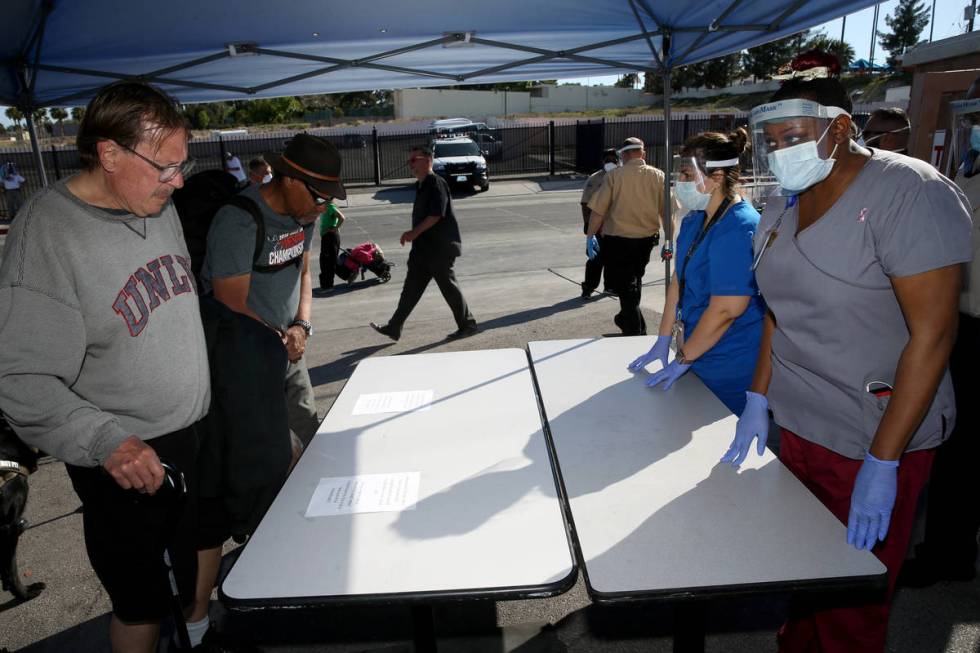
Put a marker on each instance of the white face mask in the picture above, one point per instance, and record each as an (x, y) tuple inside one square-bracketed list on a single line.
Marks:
[(266, 179), (798, 167), (610, 166), (690, 197)]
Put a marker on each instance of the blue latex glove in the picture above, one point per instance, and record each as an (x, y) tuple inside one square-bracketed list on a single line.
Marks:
[(872, 501), (591, 247), (753, 423), (657, 353), (669, 375)]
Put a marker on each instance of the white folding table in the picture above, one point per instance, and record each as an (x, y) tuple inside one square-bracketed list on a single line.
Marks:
[(487, 524), (655, 514)]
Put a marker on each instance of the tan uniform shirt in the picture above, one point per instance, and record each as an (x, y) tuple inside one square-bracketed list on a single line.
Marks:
[(631, 199), (592, 184), (970, 297)]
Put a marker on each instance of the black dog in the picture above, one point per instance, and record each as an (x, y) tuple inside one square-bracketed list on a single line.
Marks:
[(17, 460)]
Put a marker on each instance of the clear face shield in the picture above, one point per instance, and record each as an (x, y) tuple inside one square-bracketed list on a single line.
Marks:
[(792, 148), (964, 160), (694, 180)]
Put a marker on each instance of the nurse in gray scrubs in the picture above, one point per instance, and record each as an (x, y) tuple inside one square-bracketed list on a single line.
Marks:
[(858, 258)]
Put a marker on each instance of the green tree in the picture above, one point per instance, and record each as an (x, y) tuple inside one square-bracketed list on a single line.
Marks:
[(77, 113), (840, 49), (764, 61), (719, 72), (626, 81), (16, 115), (58, 115), (906, 24)]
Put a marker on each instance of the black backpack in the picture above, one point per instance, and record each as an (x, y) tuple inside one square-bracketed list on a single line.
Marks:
[(199, 200)]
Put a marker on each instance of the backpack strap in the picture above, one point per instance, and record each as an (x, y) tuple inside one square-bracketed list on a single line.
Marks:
[(248, 205)]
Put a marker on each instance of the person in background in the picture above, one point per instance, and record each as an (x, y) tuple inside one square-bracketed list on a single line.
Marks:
[(233, 166), (259, 172), (627, 209), (712, 303), (12, 181), (593, 266), (949, 550), (888, 129), (436, 243), (330, 221), (859, 260)]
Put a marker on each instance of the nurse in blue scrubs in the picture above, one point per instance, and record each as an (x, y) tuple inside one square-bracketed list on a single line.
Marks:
[(713, 306)]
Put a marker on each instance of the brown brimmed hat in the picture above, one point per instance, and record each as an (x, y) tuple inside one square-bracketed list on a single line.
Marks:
[(313, 160)]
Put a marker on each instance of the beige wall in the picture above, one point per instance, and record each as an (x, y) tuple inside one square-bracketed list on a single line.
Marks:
[(478, 105), (929, 107)]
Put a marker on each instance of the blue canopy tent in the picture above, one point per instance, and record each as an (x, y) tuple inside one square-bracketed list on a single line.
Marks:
[(57, 53), (864, 65)]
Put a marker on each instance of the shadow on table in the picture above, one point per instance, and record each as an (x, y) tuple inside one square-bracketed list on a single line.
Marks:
[(343, 367), (625, 451)]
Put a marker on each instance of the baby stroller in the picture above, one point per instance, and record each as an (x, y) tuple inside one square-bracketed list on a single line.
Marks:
[(366, 256)]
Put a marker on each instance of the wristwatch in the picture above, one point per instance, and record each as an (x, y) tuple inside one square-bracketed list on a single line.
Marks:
[(681, 358), (303, 324)]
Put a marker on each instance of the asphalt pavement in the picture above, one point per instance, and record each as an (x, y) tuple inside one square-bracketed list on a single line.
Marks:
[(523, 255)]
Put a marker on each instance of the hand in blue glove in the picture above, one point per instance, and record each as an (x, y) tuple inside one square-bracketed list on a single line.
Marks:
[(657, 353), (872, 501), (591, 247), (669, 375), (753, 423)]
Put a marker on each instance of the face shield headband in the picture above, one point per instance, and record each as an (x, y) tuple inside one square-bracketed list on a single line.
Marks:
[(796, 166)]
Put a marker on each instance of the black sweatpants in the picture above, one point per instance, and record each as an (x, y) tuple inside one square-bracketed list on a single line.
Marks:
[(423, 267), (625, 261), (329, 251)]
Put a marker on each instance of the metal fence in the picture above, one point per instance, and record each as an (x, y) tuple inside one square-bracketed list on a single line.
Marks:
[(373, 157)]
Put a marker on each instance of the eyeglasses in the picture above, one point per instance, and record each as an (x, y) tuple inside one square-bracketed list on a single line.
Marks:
[(167, 173), (317, 198)]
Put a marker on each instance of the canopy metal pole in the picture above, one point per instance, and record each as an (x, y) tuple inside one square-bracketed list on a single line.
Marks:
[(36, 146), (667, 218)]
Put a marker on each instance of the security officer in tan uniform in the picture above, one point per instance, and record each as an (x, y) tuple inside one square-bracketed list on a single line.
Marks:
[(593, 266), (627, 208)]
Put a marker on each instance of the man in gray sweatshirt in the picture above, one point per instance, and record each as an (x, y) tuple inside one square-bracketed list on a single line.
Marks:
[(103, 363)]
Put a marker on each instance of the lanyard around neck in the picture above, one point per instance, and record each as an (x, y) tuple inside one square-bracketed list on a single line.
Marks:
[(681, 276)]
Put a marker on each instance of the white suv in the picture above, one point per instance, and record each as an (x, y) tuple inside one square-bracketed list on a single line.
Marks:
[(460, 161)]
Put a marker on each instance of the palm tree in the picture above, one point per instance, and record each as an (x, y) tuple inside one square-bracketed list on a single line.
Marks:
[(15, 114), (77, 113), (58, 115)]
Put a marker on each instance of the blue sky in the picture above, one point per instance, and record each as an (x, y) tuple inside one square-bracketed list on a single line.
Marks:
[(948, 22)]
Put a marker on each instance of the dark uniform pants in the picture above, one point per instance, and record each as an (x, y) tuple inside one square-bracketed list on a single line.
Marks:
[(329, 251), (423, 267), (593, 266), (953, 510), (625, 261)]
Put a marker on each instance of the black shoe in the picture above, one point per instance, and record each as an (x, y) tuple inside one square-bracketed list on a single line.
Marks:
[(322, 291), (464, 332), (386, 330), (586, 292), (922, 572)]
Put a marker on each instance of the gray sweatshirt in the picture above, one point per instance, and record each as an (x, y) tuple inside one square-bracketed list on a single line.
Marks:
[(100, 329)]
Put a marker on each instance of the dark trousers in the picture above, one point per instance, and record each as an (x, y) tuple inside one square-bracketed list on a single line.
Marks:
[(625, 261), (593, 266), (329, 251), (953, 508), (423, 267)]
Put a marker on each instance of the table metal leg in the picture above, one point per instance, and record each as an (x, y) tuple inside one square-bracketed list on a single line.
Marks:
[(689, 621), (424, 629)]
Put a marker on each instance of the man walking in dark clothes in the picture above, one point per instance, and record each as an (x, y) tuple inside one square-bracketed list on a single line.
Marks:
[(435, 245)]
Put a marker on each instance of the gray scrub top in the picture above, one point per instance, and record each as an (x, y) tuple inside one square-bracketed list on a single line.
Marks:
[(838, 323)]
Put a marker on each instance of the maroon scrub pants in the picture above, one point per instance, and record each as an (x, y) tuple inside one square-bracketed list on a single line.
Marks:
[(861, 627)]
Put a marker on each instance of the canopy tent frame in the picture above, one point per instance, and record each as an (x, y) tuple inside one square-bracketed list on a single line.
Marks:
[(30, 66)]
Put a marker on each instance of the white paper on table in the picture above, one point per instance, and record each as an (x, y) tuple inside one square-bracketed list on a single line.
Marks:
[(344, 495), (393, 402)]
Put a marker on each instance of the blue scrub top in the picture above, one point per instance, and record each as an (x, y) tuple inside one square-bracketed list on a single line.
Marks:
[(722, 265)]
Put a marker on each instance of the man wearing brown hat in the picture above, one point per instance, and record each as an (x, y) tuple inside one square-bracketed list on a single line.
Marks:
[(627, 208), (272, 285)]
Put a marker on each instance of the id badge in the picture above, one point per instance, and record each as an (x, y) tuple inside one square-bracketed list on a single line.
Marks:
[(679, 334)]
